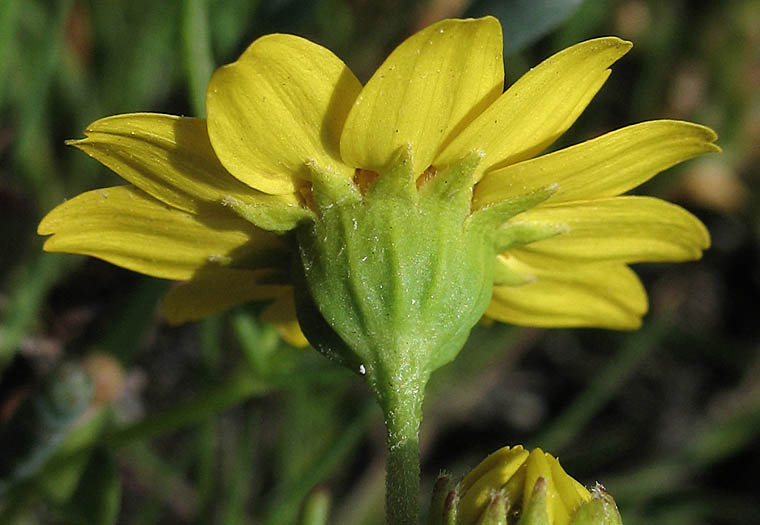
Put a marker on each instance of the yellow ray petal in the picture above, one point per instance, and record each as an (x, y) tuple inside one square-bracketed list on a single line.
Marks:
[(537, 466), (569, 496), (602, 167), (432, 85), (171, 159), (491, 474), (539, 107), (624, 229), (216, 290), (282, 314), (281, 104), (128, 228), (566, 294)]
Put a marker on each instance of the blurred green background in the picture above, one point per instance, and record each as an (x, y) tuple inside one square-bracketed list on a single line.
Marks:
[(108, 415)]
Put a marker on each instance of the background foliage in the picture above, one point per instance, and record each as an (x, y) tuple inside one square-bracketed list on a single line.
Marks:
[(220, 422)]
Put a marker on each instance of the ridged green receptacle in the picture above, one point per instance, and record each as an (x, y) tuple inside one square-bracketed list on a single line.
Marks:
[(399, 274)]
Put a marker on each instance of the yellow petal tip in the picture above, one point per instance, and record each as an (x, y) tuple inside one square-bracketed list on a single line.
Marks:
[(43, 228), (618, 42), (623, 46), (713, 148), (47, 245)]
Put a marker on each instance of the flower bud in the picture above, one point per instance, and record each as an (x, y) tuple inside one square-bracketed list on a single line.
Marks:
[(514, 486)]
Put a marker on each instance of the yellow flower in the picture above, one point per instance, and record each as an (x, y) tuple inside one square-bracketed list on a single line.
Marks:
[(210, 201), (513, 485)]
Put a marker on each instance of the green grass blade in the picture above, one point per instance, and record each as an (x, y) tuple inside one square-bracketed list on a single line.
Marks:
[(197, 54), (9, 10)]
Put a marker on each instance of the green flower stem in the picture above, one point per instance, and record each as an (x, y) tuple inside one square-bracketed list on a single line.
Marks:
[(403, 415)]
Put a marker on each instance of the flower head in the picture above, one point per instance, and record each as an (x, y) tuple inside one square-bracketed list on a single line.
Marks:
[(417, 201), (515, 486)]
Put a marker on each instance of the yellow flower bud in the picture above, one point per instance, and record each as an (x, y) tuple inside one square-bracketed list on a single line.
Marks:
[(515, 486)]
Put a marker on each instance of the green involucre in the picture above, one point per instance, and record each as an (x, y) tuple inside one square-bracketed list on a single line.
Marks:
[(394, 280)]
